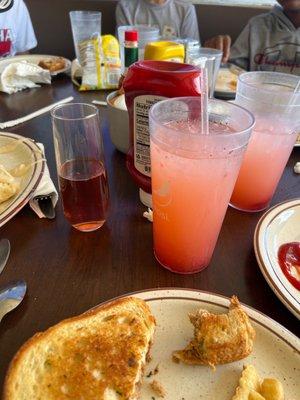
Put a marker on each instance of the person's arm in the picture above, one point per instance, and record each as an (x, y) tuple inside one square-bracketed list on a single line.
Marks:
[(26, 39), (220, 42), (189, 27), (240, 51)]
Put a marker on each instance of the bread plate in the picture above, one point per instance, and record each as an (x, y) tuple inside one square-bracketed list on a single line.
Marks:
[(279, 225), (226, 83), (35, 59), (276, 350), (24, 151)]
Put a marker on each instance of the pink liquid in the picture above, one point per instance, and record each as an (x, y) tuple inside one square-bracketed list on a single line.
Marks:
[(190, 198), (267, 154), (84, 190)]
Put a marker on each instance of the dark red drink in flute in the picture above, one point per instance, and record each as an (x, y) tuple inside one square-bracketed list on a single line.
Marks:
[(80, 165), (80, 182)]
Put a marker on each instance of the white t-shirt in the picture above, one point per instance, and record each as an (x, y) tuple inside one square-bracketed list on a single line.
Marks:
[(16, 31)]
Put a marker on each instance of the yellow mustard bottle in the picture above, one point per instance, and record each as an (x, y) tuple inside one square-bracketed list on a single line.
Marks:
[(165, 51)]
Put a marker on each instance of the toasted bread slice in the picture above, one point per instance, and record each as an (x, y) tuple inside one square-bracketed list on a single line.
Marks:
[(97, 355), (219, 338)]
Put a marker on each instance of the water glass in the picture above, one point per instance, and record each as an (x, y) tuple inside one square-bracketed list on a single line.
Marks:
[(146, 34), (211, 60), (85, 25), (80, 165)]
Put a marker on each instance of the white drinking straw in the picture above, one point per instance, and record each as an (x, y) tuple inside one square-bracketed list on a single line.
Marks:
[(204, 102)]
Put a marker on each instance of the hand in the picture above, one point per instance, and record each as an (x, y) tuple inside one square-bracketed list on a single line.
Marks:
[(220, 42)]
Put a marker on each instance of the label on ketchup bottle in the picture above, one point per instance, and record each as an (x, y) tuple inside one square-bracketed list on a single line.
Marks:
[(141, 107)]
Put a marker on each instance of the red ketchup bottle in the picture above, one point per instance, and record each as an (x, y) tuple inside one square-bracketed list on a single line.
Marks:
[(146, 83)]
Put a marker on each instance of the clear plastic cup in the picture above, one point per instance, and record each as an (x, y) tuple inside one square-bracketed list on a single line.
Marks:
[(85, 25), (213, 59), (193, 175), (270, 97), (147, 34)]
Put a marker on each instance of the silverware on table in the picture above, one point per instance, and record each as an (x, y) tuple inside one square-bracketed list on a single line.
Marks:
[(46, 205), (11, 296), (4, 253)]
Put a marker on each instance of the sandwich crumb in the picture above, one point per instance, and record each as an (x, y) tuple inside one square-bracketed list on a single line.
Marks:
[(175, 359), (155, 371), (158, 388)]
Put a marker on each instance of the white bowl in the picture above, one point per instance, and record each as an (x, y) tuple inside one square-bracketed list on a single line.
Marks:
[(118, 124)]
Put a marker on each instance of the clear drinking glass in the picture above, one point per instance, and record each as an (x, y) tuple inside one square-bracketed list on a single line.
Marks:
[(80, 165), (213, 59), (269, 96), (146, 34), (193, 175), (85, 25)]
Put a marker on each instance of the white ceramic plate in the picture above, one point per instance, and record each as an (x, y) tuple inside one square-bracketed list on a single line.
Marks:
[(35, 59), (279, 225), (26, 152), (227, 74), (276, 352)]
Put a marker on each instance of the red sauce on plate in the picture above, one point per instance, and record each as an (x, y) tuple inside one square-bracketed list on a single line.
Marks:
[(289, 261)]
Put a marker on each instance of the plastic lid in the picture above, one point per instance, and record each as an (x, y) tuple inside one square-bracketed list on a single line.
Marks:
[(164, 50), (131, 36), (146, 198)]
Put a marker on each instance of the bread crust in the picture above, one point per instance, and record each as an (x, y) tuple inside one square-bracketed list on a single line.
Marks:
[(38, 337)]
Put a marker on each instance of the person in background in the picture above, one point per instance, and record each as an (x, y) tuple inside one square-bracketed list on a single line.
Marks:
[(269, 42), (175, 18), (16, 31)]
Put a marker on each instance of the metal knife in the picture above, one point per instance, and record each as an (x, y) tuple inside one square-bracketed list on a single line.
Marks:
[(4, 253)]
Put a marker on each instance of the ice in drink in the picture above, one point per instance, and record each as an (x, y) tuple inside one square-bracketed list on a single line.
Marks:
[(84, 191), (268, 151), (193, 176)]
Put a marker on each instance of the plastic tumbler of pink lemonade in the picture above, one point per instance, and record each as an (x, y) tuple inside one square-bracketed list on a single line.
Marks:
[(193, 175), (269, 96)]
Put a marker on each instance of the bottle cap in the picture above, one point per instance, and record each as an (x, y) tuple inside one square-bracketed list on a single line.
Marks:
[(131, 36)]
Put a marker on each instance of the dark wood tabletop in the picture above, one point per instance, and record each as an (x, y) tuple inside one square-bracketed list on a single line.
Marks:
[(68, 272)]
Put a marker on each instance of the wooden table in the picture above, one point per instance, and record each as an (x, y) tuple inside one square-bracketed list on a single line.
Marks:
[(68, 272)]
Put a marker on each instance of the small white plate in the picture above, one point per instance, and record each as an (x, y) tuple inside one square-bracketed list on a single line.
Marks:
[(26, 152), (227, 74), (279, 225), (35, 59), (276, 350)]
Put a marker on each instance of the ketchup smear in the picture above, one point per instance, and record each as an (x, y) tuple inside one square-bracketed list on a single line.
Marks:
[(289, 261)]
